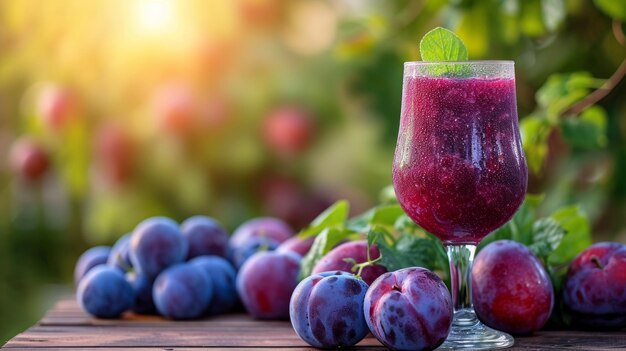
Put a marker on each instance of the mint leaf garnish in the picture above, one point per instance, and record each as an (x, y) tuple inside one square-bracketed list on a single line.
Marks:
[(441, 44)]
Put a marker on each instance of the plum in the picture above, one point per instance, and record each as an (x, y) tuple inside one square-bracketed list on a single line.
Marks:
[(142, 286), (89, 259), (29, 160), (104, 292), (266, 281), (240, 254), (119, 256), (114, 154), (156, 243), (288, 130), (326, 310), (297, 245), (267, 227), (223, 277), (205, 236), (356, 250), (182, 291), (174, 109), (409, 309), (511, 290), (595, 286), (56, 106)]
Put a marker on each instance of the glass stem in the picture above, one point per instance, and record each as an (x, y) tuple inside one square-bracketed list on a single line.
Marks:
[(461, 258)]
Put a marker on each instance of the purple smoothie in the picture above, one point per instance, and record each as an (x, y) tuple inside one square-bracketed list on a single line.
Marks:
[(459, 169)]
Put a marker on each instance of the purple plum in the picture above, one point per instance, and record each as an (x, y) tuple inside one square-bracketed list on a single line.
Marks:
[(223, 276), (205, 236), (119, 256), (595, 286), (267, 227), (240, 254), (103, 292), (409, 309), (297, 245), (356, 250), (511, 290), (142, 287), (326, 310), (157, 243), (89, 259), (182, 291), (266, 281)]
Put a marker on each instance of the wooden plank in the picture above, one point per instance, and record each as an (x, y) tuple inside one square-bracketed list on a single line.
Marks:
[(67, 327)]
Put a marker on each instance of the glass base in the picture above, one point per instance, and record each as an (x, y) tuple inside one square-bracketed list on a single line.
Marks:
[(469, 333)]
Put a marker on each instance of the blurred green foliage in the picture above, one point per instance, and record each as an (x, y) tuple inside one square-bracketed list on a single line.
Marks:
[(223, 68)]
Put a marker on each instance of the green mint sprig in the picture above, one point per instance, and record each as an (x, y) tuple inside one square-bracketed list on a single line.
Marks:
[(441, 44)]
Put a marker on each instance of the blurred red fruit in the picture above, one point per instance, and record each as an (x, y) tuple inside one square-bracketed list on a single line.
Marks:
[(288, 130), (56, 106), (28, 159), (174, 109), (114, 154), (215, 113)]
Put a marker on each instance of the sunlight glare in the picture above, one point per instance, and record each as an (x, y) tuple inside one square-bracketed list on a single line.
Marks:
[(155, 16)]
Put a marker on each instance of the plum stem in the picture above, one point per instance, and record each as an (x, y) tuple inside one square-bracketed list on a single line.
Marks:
[(396, 287), (358, 267), (597, 262)]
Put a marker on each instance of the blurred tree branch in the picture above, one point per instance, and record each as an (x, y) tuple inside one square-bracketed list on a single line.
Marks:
[(610, 83)]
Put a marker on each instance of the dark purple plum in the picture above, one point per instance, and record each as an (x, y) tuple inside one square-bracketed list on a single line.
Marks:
[(356, 250), (223, 276), (182, 291), (511, 290), (142, 287), (266, 227), (103, 292), (119, 256), (157, 243), (240, 254), (205, 235), (409, 309), (326, 310), (297, 245), (93, 257), (595, 286), (266, 281)]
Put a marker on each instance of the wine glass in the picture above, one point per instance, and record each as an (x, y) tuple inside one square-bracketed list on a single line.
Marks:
[(459, 170)]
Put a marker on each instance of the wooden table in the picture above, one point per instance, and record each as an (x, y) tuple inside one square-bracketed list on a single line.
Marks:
[(66, 327)]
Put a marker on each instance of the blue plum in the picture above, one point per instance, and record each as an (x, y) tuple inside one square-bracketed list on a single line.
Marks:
[(119, 256), (511, 290), (157, 243), (594, 290), (326, 310), (223, 276), (266, 227), (409, 309), (93, 257), (142, 286), (182, 291), (334, 260), (240, 254), (266, 281), (205, 236), (104, 292)]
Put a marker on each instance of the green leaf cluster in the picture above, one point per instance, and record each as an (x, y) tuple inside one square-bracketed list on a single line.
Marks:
[(586, 130)]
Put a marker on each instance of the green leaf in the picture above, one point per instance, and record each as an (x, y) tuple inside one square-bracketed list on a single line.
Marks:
[(385, 216), (561, 91), (547, 236), (554, 12), (615, 9), (324, 242), (335, 215), (413, 251), (578, 236), (535, 131), (441, 44), (588, 131)]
